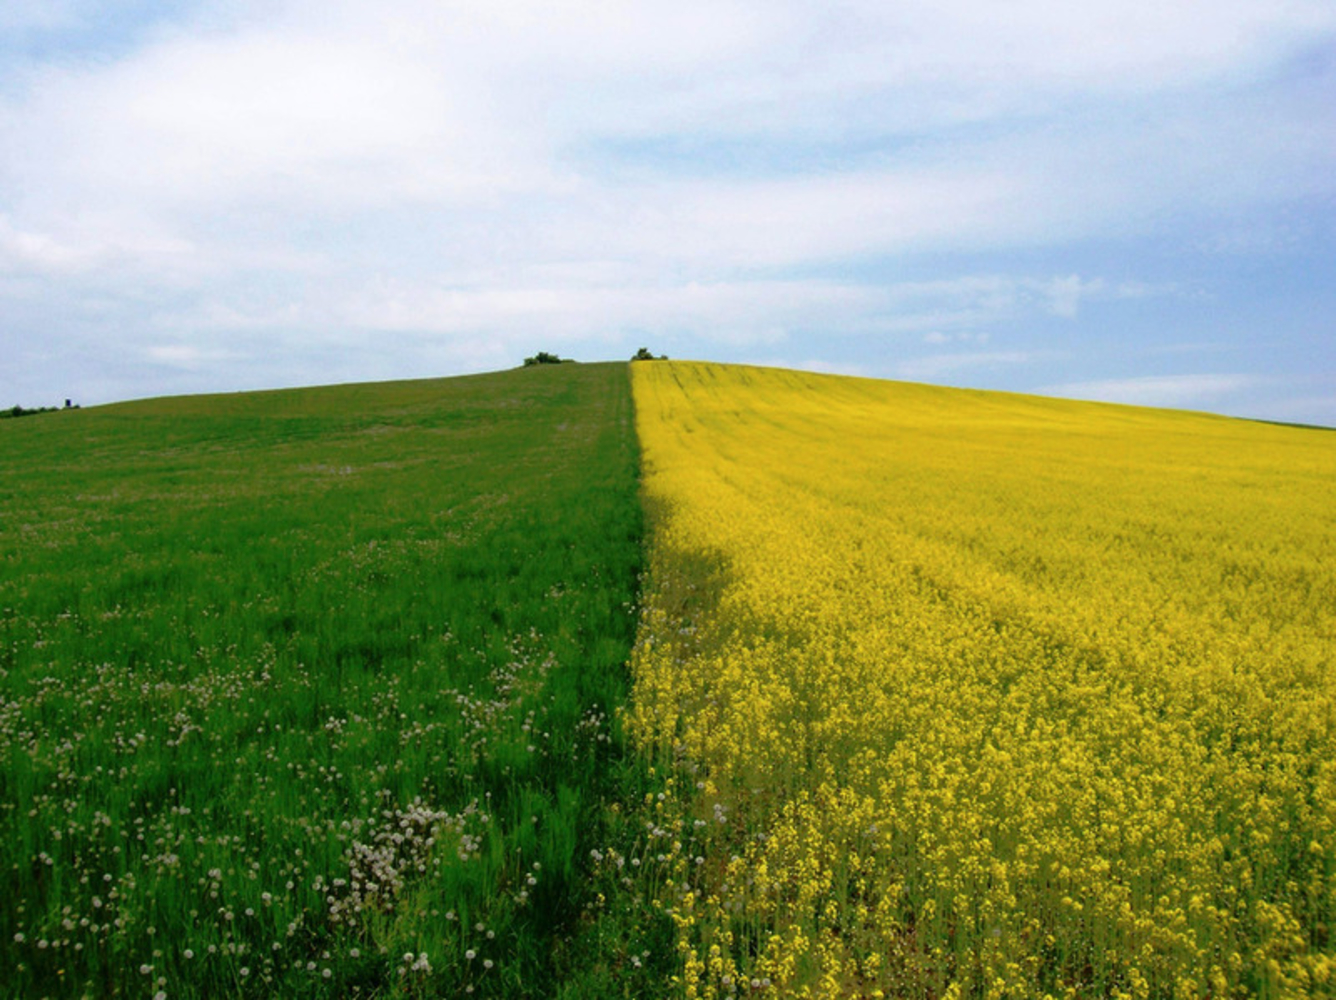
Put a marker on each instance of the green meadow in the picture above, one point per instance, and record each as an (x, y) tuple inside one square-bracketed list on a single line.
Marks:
[(315, 692)]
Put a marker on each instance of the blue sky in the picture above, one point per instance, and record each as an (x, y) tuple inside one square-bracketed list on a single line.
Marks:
[(1132, 201)]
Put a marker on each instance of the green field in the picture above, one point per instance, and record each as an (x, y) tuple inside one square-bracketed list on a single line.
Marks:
[(314, 692)]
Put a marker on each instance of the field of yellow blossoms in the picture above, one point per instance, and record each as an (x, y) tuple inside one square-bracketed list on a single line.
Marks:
[(974, 695)]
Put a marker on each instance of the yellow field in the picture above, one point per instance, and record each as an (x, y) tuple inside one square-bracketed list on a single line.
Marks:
[(972, 694)]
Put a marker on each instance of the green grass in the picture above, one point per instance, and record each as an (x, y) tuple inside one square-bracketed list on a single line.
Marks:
[(299, 687)]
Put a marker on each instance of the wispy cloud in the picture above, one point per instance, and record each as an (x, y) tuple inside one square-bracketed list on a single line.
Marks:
[(188, 357), (936, 338), (936, 366), (1157, 390), (23, 17)]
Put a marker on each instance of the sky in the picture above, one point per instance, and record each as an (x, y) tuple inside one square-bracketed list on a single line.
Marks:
[(1132, 201)]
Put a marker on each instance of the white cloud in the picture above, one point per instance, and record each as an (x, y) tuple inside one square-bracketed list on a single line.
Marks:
[(1065, 294), (1157, 390), (773, 223), (827, 367), (295, 125), (188, 356), (36, 15), (362, 106), (24, 251), (936, 366), (953, 310), (937, 338), (738, 313), (100, 245)]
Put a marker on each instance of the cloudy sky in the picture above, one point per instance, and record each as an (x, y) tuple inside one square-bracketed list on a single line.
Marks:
[(1132, 201)]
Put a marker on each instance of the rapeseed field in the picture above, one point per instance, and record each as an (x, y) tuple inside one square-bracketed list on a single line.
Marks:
[(967, 694)]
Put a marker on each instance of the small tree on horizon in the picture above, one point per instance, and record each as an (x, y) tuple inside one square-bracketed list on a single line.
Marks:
[(644, 354), (542, 358)]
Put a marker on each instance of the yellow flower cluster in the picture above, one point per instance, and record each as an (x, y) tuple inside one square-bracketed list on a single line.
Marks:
[(981, 695)]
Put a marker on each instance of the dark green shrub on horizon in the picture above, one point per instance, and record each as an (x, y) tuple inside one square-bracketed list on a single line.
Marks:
[(545, 358)]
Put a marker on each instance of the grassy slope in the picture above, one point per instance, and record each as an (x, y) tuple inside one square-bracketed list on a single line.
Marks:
[(986, 695), (246, 639)]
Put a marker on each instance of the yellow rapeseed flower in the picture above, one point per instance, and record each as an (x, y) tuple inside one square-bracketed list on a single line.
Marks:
[(986, 695)]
